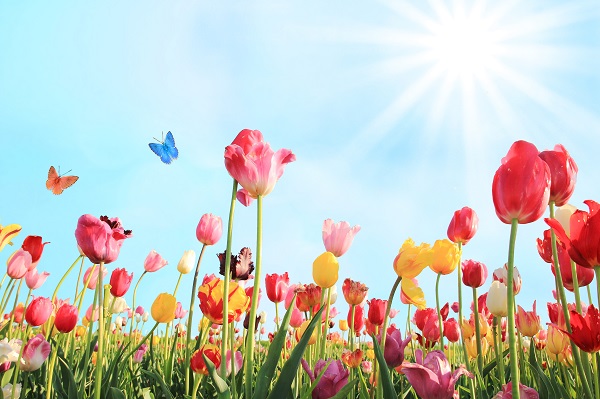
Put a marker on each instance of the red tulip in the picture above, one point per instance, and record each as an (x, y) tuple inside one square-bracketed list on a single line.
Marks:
[(377, 308), (277, 286), (359, 321), (451, 330), (585, 330), (563, 171), (120, 281), (197, 363), (34, 245), (38, 311), (463, 225), (474, 273), (100, 239), (308, 296), (209, 229), (521, 186), (253, 163), (66, 318), (354, 292)]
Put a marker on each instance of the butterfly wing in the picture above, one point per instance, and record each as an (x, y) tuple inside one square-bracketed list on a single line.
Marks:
[(52, 178), (64, 182), (166, 150)]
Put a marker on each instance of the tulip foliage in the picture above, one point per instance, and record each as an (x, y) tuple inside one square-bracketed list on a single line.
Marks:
[(101, 343)]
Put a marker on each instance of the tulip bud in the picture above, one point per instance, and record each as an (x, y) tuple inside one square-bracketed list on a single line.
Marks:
[(325, 270), (186, 262), (209, 229), (497, 299), (163, 308)]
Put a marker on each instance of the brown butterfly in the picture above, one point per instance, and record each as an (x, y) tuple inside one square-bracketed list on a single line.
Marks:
[(58, 183)]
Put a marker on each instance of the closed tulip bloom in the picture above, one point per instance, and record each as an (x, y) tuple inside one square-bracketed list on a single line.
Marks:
[(211, 300), (154, 262), (38, 311), (18, 264), (451, 330), (35, 247), (19, 312), (411, 293), (92, 314), (338, 237), (302, 329), (352, 359), (34, 280), (308, 295), (120, 281), (412, 259), (432, 377), (393, 352), (521, 186), (471, 345), (556, 342), (66, 318), (474, 273), (186, 262), (463, 225), (100, 239), (35, 353), (325, 270), (497, 299), (354, 292), (501, 274), (525, 392), (446, 256), (254, 165), (212, 352), (332, 381), (277, 286), (376, 312), (563, 173), (238, 361), (7, 233), (297, 318), (209, 229), (528, 323), (163, 308), (94, 271), (359, 321), (343, 324)]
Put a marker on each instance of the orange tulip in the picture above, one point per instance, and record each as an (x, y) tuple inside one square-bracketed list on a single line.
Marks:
[(211, 300)]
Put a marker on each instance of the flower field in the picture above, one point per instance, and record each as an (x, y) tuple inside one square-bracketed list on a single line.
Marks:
[(483, 345)]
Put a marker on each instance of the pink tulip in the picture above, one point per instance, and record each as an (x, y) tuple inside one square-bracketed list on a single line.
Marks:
[(35, 352), (139, 354), (338, 237), (244, 197), (432, 377), (393, 352), (209, 229), (393, 313), (38, 311), (18, 264), (139, 310), (34, 280), (253, 163), (501, 274), (524, 392), (238, 362), (180, 312), (94, 270), (92, 314), (100, 239), (154, 262), (297, 318)]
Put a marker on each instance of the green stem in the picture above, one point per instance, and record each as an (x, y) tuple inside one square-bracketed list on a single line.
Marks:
[(437, 304), (17, 368), (64, 277), (132, 352), (190, 321), (326, 327), (227, 278), (384, 329), (197, 380), (460, 312), (133, 302), (51, 367), (177, 285), (477, 331), (514, 367), (249, 371), (79, 278), (5, 298), (351, 328), (100, 353), (12, 315), (499, 348)]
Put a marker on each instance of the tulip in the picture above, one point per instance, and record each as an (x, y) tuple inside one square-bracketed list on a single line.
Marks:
[(521, 186), (528, 323), (297, 318), (352, 359), (463, 225), (451, 330), (302, 329), (238, 361), (7, 233), (91, 314), (377, 308), (209, 229), (497, 299), (211, 301), (359, 321), (139, 354), (186, 262), (471, 345), (93, 280), (524, 392), (277, 286), (241, 265), (120, 281), (563, 215), (117, 304), (9, 350), (18, 264), (35, 352), (411, 293), (474, 273), (563, 174), (254, 165), (332, 381), (35, 247), (585, 330), (197, 363), (501, 274), (412, 259), (180, 312), (7, 391), (393, 352), (34, 280), (338, 237), (556, 341), (154, 262), (343, 324), (432, 377), (19, 312), (446, 256), (244, 197), (308, 296), (163, 308), (38, 311), (325, 270), (100, 239), (66, 318), (354, 292)]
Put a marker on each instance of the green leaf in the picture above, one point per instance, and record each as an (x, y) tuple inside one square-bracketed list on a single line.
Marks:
[(115, 393), (266, 372), (220, 384), (288, 371), (67, 377), (157, 377), (386, 380), (364, 391)]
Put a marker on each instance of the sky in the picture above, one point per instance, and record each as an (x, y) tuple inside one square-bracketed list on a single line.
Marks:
[(398, 112)]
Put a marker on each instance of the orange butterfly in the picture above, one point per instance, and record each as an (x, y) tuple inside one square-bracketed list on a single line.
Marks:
[(58, 183)]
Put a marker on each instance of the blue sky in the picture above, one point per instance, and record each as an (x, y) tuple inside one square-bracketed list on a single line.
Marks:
[(399, 113)]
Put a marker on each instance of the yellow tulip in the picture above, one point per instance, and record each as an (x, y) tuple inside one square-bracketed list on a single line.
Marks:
[(471, 345), (370, 353), (343, 324), (163, 308), (446, 256), (325, 270), (302, 329), (412, 259), (211, 300), (412, 294)]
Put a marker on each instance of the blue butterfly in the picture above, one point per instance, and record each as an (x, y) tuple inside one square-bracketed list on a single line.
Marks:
[(166, 149)]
